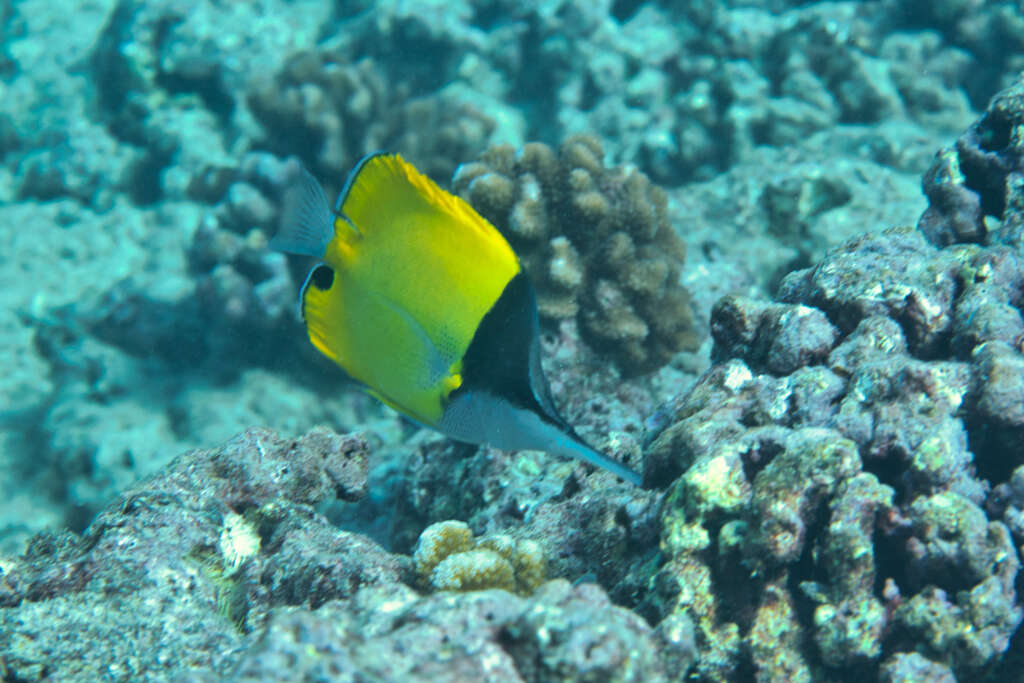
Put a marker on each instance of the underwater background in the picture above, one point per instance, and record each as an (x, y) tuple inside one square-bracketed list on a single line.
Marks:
[(778, 248)]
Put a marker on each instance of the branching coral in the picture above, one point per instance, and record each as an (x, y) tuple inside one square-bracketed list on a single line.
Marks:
[(596, 241)]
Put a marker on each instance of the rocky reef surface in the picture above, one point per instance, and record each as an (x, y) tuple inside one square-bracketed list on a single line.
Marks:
[(220, 568), (833, 480)]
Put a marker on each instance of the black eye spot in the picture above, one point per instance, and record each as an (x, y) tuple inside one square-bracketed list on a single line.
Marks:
[(322, 277)]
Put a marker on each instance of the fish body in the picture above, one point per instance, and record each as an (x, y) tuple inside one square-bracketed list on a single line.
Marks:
[(422, 301)]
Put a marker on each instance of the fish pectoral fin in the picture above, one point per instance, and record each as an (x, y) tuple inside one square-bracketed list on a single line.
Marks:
[(307, 223)]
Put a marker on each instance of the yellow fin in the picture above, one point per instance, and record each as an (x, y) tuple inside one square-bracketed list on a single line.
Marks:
[(385, 191)]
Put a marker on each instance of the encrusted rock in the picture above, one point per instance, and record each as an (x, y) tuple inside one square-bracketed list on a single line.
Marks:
[(981, 176)]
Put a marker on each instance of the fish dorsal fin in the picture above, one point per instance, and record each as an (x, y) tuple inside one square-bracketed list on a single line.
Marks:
[(409, 193)]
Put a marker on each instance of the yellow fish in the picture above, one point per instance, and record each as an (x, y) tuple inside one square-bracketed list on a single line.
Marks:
[(422, 301)]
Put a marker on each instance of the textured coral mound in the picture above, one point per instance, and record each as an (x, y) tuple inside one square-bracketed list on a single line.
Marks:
[(447, 557), (858, 449), (596, 242)]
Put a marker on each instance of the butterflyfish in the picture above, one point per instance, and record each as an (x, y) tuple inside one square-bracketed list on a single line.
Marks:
[(424, 303)]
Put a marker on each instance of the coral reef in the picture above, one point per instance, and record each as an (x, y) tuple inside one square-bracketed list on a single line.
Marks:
[(561, 633), (1007, 500), (845, 466), (990, 32), (761, 74), (840, 497), (596, 242), (899, 354), (166, 92), (215, 540), (907, 667), (588, 525), (243, 290)]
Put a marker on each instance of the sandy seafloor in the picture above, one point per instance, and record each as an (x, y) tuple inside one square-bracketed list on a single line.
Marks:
[(144, 146)]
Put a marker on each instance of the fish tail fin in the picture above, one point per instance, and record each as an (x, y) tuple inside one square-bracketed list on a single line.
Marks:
[(307, 222)]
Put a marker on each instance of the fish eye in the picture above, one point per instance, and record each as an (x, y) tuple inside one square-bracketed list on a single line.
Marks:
[(322, 277)]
